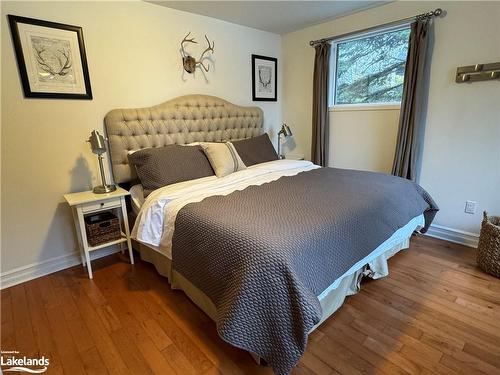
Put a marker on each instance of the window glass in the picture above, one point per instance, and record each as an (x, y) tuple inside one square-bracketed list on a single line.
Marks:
[(371, 69)]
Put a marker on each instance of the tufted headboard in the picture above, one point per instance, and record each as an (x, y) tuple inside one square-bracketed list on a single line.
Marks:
[(186, 119)]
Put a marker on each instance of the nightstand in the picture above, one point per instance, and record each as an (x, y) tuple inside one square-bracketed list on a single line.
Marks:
[(87, 202)]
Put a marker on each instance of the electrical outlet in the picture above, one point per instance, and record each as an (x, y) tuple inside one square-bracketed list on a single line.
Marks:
[(470, 207)]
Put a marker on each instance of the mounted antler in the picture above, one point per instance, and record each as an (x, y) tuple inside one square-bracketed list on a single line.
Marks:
[(189, 62), (186, 40), (209, 49)]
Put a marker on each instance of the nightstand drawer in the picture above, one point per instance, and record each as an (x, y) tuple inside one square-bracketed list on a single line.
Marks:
[(101, 205)]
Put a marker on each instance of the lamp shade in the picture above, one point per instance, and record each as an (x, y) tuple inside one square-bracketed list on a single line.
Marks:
[(285, 130), (97, 143)]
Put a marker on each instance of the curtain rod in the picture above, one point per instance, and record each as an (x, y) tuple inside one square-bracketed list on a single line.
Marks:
[(436, 13)]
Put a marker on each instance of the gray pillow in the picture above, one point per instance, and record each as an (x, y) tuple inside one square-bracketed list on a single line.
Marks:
[(255, 150), (158, 167)]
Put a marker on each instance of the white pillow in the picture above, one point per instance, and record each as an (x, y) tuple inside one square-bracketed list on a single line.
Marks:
[(223, 157)]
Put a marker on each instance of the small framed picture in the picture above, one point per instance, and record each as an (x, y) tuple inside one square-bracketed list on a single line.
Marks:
[(265, 78), (51, 59)]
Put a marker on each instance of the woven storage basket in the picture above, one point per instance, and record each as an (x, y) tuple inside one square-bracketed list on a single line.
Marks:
[(488, 249), (102, 228)]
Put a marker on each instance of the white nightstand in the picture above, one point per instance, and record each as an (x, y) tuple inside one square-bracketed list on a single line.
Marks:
[(86, 202)]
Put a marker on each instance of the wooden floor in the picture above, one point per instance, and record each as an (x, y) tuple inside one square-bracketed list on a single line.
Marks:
[(435, 314)]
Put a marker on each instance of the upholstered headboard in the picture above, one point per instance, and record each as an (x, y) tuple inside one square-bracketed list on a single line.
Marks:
[(186, 119)]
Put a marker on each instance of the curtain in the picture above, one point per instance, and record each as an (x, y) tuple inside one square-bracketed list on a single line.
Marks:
[(320, 125), (409, 141)]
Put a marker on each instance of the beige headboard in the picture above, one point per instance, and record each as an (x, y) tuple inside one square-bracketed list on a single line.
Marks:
[(186, 119)]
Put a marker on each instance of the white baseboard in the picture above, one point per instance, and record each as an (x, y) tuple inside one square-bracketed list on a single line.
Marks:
[(32, 271), (453, 235)]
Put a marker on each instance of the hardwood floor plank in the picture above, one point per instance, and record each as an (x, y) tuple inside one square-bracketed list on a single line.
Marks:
[(439, 319), (7, 333), (23, 328), (156, 333), (483, 353), (420, 269), (143, 356), (74, 321), (375, 334), (176, 359), (93, 363), (143, 311), (416, 296), (332, 358), (108, 317), (452, 294), (353, 340), (108, 351), (126, 346), (315, 365), (401, 340), (393, 356), (43, 336), (466, 363), (204, 340), (70, 359)]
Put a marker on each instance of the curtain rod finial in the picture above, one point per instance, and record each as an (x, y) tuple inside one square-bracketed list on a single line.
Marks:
[(438, 12)]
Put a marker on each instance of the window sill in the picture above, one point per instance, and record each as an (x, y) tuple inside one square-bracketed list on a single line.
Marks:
[(366, 107)]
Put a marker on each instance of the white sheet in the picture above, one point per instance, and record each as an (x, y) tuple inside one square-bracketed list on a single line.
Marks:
[(136, 198), (155, 222)]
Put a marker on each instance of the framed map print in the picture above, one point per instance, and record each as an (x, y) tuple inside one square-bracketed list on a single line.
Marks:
[(264, 78), (51, 59)]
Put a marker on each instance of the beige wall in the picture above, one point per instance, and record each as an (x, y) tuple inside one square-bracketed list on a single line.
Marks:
[(461, 158), (363, 139), (133, 54)]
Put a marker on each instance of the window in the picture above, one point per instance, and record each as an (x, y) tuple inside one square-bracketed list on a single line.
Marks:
[(370, 69)]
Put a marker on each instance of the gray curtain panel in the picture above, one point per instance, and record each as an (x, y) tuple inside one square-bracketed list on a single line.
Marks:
[(411, 125), (320, 125)]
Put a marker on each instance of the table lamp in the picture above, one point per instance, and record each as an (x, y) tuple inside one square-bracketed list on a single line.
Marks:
[(98, 146), (285, 130)]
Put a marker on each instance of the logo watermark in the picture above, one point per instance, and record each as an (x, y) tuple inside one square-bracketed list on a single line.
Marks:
[(10, 361)]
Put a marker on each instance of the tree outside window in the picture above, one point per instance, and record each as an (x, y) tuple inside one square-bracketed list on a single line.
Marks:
[(371, 69)]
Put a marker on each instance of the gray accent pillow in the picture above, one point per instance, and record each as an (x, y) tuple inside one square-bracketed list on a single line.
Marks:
[(158, 167), (255, 150)]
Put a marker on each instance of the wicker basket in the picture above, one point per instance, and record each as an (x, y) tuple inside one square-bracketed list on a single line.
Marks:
[(488, 249), (101, 228)]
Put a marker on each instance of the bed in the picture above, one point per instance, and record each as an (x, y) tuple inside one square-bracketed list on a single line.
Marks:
[(268, 252)]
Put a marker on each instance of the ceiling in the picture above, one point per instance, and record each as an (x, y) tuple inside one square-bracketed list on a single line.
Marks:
[(278, 17)]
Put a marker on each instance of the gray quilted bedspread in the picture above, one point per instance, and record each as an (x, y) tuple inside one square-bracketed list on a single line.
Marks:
[(264, 254)]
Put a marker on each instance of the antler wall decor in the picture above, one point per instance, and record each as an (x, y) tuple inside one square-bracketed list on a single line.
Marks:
[(189, 62), (61, 68)]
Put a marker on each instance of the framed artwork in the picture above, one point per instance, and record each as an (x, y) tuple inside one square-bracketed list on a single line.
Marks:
[(51, 59), (264, 78)]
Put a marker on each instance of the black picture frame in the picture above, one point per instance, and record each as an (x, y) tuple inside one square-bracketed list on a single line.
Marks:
[(256, 96), (14, 21)]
